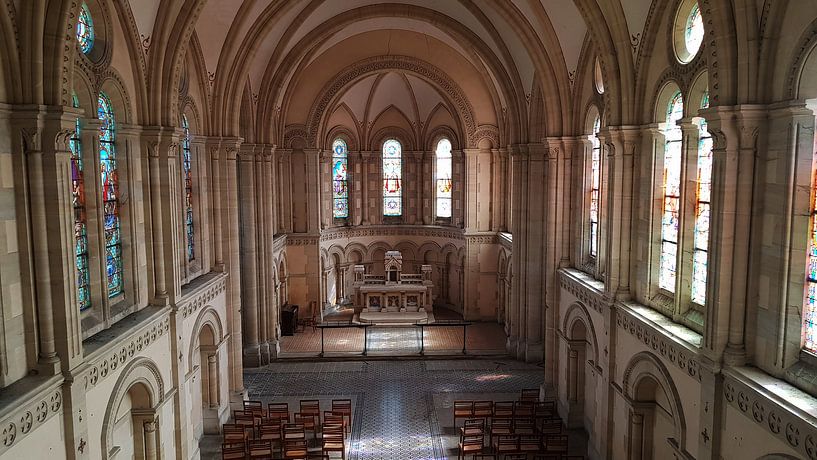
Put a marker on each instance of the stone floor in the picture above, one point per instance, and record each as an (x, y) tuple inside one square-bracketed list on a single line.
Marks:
[(402, 409)]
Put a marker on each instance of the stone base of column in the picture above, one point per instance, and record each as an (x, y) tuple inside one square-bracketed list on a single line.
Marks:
[(252, 356), (533, 352), (49, 366), (237, 398), (519, 353), (734, 356), (214, 417), (510, 345), (274, 349), (265, 353)]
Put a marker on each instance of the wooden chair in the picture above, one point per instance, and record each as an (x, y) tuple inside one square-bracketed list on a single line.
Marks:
[(551, 427), (344, 407), (506, 444), (246, 419), (272, 432), (516, 457), (256, 407), (529, 394), (312, 407), (333, 440), (296, 449), (471, 445), (484, 457), (524, 426), (556, 444), (530, 444), (334, 418), (260, 450), (473, 427), (234, 433), (307, 420), (524, 409), (279, 411), (232, 452), (502, 410), (463, 409), (293, 432), (501, 427), (483, 409), (545, 410)]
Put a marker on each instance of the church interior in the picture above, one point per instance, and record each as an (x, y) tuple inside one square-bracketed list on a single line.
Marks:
[(408, 229)]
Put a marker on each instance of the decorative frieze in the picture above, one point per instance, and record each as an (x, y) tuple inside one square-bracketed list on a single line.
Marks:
[(777, 413), (203, 295), (683, 357), (30, 414), (580, 285), (481, 239), (302, 241), (361, 232), (129, 348)]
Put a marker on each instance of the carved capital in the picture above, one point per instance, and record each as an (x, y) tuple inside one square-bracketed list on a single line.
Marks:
[(62, 140), (32, 139)]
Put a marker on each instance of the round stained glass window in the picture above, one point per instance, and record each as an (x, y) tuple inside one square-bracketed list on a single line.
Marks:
[(694, 31), (85, 29)]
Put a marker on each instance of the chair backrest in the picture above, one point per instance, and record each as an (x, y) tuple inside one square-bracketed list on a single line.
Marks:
[(529, 394), (484, 457), (556, 443), (332, 417), (256, 407), (474, 439), (278, 411), (516, 457), (247, 420), (523, 426), (503, 408), (343, 406), (294, 431), (463, 407), (551, 427), (271, 432), (502, 424), (311, 406), (506, 442), (483, 407), (260, 449), (232, 452), (476, 423), (523, 409)]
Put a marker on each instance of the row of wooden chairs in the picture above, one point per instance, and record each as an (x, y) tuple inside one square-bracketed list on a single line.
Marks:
[(539, 410), (309, 414), (514, 444)]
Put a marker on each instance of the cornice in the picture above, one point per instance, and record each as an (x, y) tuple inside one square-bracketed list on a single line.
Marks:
[(200, 296), (391, 230), (30, 412)]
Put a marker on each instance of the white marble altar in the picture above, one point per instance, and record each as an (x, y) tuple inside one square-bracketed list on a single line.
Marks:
[(394, 296)]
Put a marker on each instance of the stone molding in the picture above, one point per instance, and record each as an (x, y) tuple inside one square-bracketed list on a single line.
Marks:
[(481, 239), (392, 230), (682, 356), (128, 348), (506, 240), (575, 282), (30, 413), (279, 243), (202, 295), (785, 421), (302, 240)]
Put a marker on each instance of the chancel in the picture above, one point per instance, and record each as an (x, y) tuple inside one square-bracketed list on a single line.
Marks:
[(408, 229)]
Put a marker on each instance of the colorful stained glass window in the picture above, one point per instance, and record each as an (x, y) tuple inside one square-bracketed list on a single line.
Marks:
[(702, 211), (810, 305), (189, 228), (80, 219), (694, 30), (392, 178), (110, 196), (85, 29), (595, 181), (340, 184), (443, 177), (672, 194)]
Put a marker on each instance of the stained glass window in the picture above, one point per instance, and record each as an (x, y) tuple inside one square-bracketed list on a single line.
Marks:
[(340, 184), (672, 194), (189, 228), (595, 180), (443, 175), (110, 196), (702, 211), (85, 29), (810, 306), (694, 30), (392, 178), (80, 219)]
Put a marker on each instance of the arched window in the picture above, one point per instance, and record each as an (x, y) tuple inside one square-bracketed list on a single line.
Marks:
[(110, 196), (595, 180), (694, 30), (340, 186), (702, 211), (80, 219), (810, 304), (672, 194), (85, 29), (443, 176), (392, 178), (188, 191)]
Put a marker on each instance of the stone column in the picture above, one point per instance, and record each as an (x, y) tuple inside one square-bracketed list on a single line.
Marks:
[(572, 374), (249, 256), (261, 250), (313, 191), (517, 160), (636, 431), (364, 187), (149, 433), (212, 380), (268, 237), (422, 179), (537, 317), (285, 191), (216, 202), (497, 200)]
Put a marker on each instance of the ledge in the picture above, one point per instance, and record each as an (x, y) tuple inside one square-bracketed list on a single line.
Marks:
[(392, 230), (200, 292), (27, 404)]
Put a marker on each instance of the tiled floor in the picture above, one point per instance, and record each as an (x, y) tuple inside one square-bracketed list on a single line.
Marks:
[(481, 339), (402, 409)]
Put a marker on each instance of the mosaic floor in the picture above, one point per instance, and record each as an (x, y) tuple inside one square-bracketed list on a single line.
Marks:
[(402, 409)]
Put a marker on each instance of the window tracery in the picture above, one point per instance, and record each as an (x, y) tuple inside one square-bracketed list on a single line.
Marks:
[(340, 184), (670, 219), (392, 178), (110, 196), (80, 218), (443, 178)]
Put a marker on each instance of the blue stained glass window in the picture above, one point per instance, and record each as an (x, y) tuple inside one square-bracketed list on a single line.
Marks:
[(444, 182), (80, 219), (694, 30), (810, 304), (672, 194), (702, 211), (340, 184), (392, 178), (110, 196), (595, 181), (189, 228), (85, 29)]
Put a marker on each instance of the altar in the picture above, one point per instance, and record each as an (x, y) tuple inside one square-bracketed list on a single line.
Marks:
[(394, 297)]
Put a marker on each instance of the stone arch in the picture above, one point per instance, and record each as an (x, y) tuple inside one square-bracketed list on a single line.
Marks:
[(141, 371), (804, 62), (435, 135), (208, 317), (344, 133), (353, 249), (667, 89), (113, 86), (578, 313), (405, 138), (647, 365), (699, 86)]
